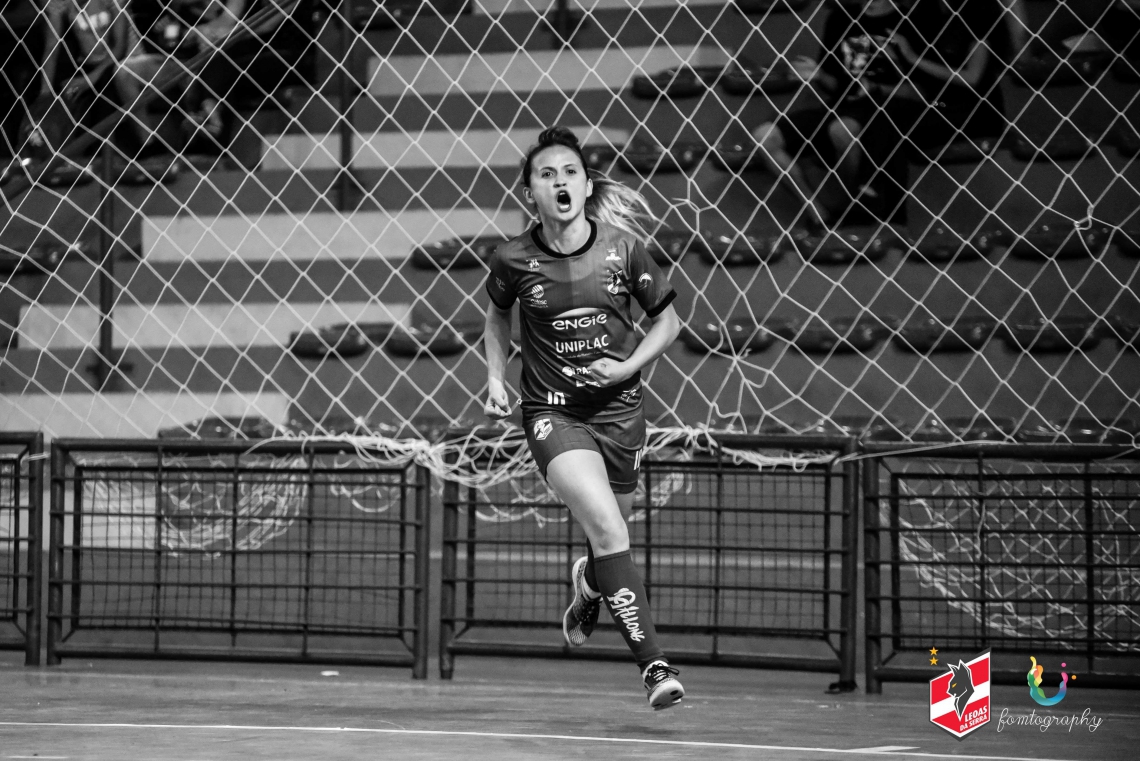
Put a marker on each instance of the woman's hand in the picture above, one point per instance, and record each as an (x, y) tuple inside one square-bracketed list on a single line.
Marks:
[(498, 402), (806, 68), (903, 46), (609, 372)]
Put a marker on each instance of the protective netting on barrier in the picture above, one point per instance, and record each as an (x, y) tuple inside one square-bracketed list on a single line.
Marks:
[(914, 219), (1018, 551)]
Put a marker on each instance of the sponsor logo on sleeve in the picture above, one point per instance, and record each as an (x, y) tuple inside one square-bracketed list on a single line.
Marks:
[(535, 295), (612, 255)]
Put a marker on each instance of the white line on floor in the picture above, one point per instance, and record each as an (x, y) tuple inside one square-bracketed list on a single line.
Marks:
[(887, 748), (518, 736)]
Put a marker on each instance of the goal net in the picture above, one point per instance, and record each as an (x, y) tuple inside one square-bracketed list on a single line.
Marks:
[(916, 219)]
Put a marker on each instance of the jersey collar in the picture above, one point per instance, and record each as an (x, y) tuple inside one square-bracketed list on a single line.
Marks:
[(534, 236)]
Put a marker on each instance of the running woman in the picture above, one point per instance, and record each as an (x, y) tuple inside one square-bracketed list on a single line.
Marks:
[(574, 274)]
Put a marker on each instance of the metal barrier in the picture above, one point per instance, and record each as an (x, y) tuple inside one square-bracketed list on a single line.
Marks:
[(1020, 549), (21, 546), (744, 565), (297, 551)]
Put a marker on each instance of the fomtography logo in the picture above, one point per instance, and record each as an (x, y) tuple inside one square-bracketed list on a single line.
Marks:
[(960, 698), (1044, 721), (1034, 680)]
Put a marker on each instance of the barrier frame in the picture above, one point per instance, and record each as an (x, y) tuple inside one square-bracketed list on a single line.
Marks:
[(414, 488), (879, 560), (26, 588), (841, 484)]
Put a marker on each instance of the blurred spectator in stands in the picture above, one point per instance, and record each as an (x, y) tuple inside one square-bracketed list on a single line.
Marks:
[(857, 130), (275, 35), (1017, 23), (1112, 27), (92, 47), (23, 44), (1091, 26), (958, 75)]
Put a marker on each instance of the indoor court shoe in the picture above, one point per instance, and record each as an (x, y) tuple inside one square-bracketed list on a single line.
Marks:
[(661, 685), (580, 618)]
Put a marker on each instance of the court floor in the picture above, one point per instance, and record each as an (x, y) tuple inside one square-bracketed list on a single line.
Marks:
[(510, 709)]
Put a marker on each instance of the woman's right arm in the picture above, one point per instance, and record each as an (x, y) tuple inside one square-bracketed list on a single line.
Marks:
[(497, 344), (53, 41)]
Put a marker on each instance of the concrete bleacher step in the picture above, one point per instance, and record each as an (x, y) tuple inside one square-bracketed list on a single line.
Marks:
[(523, 26), (50, 326), (471, 149), (132, 414), (566, 70), (388, 235), (234, 280), (180, 384)]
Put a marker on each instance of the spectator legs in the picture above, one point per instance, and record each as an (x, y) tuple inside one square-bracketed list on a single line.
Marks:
[(773, 152)]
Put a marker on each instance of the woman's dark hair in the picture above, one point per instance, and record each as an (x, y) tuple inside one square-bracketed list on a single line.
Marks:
[(611, 202), (548, 138)]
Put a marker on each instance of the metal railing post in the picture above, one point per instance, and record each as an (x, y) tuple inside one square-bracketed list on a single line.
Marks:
[(872, 579), (423, 572)]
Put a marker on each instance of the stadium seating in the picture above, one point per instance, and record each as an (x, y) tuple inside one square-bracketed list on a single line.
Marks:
[(1059, 334), (950, 335), (676, 82), (646, 158), (319, 286), (222, 428)]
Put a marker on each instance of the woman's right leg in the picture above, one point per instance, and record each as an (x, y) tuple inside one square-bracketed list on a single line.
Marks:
[(774, 153), (579, 478)]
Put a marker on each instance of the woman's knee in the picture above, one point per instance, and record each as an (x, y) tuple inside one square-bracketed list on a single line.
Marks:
[(609, 535), (769, 137), (842, 131)]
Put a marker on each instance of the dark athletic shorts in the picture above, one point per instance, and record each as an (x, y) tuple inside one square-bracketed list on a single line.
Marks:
[(620, 442)]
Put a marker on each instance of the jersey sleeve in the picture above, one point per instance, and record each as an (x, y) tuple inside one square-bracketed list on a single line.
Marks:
[(499, 285), (647, 283)]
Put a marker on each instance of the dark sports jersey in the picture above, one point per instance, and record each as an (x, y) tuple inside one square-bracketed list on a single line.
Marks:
[(574, 309)]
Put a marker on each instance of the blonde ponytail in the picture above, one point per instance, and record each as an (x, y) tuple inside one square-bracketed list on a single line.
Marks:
[(620, 206)]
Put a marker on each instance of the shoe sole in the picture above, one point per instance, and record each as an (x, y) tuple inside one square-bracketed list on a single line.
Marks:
[(566, 614), (667, 695)]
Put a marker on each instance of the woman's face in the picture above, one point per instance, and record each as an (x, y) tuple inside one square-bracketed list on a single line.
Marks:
[(559, 185)]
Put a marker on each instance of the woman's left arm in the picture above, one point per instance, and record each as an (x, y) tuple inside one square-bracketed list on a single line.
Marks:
[(666, 326)]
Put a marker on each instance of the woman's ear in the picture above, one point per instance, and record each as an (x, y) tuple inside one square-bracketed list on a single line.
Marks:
[(589, 187)]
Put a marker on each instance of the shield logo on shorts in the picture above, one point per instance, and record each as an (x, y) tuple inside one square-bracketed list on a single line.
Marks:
[(542, 429), (960, 698)]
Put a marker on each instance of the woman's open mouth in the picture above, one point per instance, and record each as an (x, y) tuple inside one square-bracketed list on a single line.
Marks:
[(563, 200)]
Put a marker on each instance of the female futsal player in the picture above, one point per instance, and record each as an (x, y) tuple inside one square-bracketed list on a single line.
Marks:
[(573, 274)]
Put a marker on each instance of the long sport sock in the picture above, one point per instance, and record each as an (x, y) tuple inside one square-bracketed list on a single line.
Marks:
[(621, 588), (590, 578)]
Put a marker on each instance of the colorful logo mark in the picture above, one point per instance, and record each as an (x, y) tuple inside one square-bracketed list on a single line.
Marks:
[(960, 698), (1038, 694)]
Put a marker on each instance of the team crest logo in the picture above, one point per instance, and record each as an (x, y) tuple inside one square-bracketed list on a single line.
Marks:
[(532, 264), (960, 698), (645, 280), (613, 283), (542, 429)]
